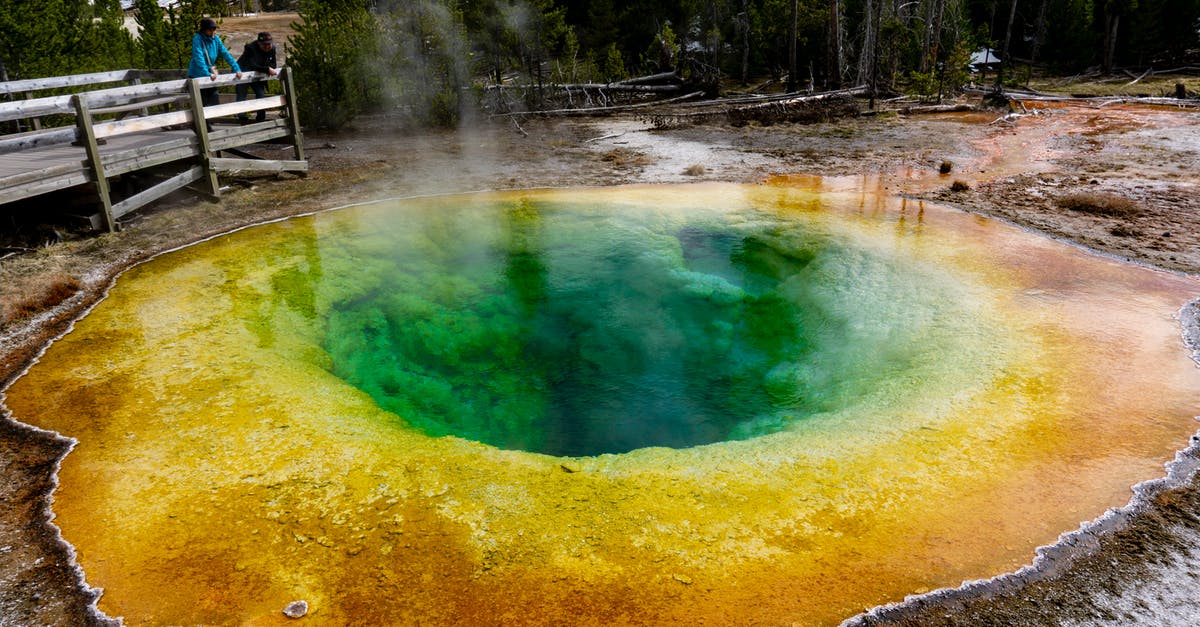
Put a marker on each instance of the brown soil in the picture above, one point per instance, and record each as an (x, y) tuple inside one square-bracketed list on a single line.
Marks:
[(1139, 165), (1020, 170)]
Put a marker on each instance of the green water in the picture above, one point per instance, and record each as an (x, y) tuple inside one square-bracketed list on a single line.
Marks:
[(547, 328)]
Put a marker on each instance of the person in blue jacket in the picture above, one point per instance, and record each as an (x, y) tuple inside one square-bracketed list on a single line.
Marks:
[(207, 48)]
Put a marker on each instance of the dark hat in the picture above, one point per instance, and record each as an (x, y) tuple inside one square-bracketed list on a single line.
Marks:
[(207, 23), (264, 36)]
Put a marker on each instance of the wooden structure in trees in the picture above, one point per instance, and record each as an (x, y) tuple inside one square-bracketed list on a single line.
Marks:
[(159, 129)]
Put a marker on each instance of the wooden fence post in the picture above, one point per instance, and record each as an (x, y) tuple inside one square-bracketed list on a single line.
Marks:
[(35, 122), (293, 112), (201, 126), (137, 80), (87, 136)]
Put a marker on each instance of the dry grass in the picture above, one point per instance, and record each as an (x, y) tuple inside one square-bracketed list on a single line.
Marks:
[(695, 170), (1157, 85), (29, 295), (626, 158), (1122, 230), (1100, 203)]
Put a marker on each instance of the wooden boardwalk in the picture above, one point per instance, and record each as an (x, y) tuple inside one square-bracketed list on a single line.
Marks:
[(159, 129)]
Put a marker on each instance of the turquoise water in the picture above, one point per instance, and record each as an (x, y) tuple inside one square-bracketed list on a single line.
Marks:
[(544, 327)]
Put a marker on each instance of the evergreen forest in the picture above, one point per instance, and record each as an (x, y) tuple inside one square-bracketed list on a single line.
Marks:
[(432, 58)]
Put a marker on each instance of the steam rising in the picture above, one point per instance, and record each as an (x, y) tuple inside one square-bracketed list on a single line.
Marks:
[(429, 63)]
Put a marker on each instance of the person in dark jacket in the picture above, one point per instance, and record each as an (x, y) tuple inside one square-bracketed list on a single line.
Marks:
[(259, 56), (207, 48)]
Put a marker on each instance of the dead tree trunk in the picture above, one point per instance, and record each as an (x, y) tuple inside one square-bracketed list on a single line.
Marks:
[(936, 45), (1039, 31), (834, 79), (868, 44), (1004, 56), (792, 35), (1111, 22), (927, 41), (744, 23)]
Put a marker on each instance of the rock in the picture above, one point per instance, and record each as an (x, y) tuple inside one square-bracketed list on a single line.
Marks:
[(296, 609)]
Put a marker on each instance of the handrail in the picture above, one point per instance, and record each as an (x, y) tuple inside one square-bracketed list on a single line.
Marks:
[(74, 80), (114, 96)]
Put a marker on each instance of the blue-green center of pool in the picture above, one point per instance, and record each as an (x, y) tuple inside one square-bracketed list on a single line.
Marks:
[(537, 328)]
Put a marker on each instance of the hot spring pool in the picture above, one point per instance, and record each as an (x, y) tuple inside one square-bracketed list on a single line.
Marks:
[(721, 403)]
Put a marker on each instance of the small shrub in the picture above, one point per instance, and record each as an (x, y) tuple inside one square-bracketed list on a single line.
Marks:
[(443, 109), (945, 167), (614, 65), (625, 158), (1099, 203), (959, 186), (695, 170)]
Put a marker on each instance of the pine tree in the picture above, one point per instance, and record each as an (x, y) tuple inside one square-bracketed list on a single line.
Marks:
[(330, 57), (155, 36)]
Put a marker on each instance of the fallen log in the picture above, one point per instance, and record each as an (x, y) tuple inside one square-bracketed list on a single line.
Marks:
[(603, 137), (653, 79), (943, 108), (752, 99), (601, 110), (1144, 75), (613, 87), (784, 99), (1152, 100), (1012, 93), (806, 108), (1094, 101)]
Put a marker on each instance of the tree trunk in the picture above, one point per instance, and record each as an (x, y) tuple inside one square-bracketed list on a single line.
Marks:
[(834, 79), (1004, 56), (714, 39), (868, 43), (1039, 31), (876, 17), (935, 48), (792, 35), (1111, 22), (745, 25), (927, 41)]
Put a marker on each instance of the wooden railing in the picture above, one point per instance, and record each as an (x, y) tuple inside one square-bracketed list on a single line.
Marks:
[(108, 113)]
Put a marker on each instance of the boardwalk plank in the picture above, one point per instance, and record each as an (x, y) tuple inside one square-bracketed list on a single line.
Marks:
[(179, 181), (256, 165)]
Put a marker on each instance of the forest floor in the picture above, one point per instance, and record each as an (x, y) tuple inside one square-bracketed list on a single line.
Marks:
[(1119, 179)]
